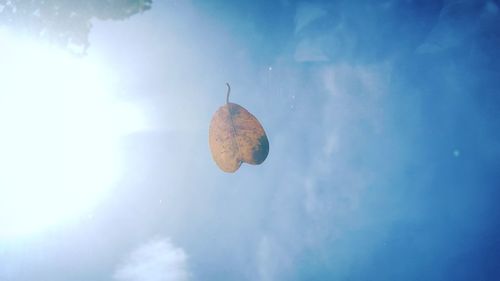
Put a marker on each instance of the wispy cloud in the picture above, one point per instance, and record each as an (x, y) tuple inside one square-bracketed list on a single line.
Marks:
[(157, 260), (306, 14), (272, 260)]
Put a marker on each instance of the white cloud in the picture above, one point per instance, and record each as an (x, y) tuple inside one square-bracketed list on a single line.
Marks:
[(306, 14), (157, 260), (264, 261), (457, 21), (272, 260), (354, 116), (310, 50)]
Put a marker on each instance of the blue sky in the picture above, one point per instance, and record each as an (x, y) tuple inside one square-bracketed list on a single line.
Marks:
[(383, 121)]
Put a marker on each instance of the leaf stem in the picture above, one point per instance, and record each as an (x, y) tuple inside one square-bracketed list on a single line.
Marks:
[(228, 92)]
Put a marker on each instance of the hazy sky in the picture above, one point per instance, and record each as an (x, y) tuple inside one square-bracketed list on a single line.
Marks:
[(383, 119)]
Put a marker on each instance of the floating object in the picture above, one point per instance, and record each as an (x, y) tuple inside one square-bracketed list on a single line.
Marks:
[(236, 136)]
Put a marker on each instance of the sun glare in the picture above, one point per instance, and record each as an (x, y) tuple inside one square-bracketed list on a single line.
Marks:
[(60, 127)]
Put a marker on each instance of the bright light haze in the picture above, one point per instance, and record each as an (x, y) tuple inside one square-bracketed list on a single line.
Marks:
[(382, 119)]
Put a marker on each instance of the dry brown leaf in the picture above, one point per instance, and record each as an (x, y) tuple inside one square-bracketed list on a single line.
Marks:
[(236, 136)]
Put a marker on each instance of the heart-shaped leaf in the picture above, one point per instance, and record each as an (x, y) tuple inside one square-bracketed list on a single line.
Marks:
[(236, 136)]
